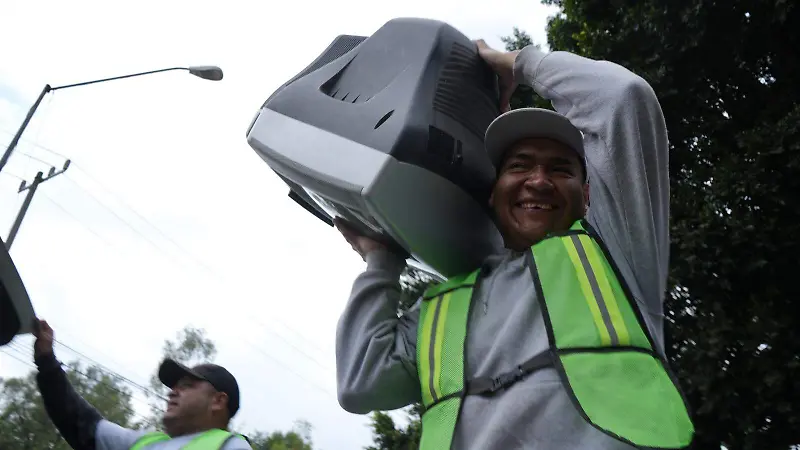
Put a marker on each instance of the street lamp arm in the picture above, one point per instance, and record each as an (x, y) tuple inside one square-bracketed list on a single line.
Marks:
[(117, 78), (212, 73)]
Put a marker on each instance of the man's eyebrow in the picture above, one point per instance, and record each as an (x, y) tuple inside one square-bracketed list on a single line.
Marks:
[(520, 157), (549, 159), (561, 160)]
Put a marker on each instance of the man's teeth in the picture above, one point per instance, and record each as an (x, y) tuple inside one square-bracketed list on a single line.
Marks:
[(537, 206)]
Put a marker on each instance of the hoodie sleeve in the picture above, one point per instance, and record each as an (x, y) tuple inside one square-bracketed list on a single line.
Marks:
[(73, 416), (376, 349), (625, 139)]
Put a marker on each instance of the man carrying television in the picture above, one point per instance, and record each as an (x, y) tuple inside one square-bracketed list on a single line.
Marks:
[(557, 342)]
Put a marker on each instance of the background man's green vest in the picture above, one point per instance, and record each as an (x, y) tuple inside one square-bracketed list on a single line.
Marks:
[(599, 344), (210, 440)]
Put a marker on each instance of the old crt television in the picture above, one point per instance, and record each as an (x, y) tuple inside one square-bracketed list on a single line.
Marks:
[(16, 311), (386, 132)]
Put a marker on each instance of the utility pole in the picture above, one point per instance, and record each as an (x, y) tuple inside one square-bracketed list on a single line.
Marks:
[(31, 188)]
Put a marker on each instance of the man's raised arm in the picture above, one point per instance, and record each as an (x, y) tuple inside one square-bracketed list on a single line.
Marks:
[(376, 350), (626, 144)]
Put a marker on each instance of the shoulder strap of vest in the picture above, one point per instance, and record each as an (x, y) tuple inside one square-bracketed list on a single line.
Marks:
[(580, 226), (489, 385), (149, 438), (461, 281)]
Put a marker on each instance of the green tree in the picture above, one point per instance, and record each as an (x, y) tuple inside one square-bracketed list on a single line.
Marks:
[(726, 76), (299, 438), (389, 436), (190, 347), (524, 96), (24, 424)]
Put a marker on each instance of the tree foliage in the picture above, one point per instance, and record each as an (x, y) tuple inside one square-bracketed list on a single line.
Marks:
[(298, 438), (24, 424), (726, 76), (389, 436)]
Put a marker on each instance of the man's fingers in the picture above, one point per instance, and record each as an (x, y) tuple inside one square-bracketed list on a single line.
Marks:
[(350, 235), (42, 330), (505, 100), (346, 231)]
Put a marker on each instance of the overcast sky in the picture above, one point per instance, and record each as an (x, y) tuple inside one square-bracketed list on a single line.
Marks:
[(167, 217)]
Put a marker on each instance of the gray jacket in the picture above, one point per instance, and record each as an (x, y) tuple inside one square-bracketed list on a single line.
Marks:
[(627, 157)]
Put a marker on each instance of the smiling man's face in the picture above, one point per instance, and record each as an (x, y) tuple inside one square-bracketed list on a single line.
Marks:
[(540, 188)]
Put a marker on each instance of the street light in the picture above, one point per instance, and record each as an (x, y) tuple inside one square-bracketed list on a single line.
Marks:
[(16, 311), (212, 73)]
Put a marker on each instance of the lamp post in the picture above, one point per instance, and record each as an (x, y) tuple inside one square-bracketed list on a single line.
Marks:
[(212, 73)]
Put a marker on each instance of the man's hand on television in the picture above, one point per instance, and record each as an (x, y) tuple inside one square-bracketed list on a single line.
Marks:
[(361, 244), (503, 65)]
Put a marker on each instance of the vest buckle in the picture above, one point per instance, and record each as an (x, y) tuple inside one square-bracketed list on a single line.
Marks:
[(507, 379)]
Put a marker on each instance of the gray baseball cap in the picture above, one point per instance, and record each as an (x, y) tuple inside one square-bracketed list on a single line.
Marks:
[(525, 123)]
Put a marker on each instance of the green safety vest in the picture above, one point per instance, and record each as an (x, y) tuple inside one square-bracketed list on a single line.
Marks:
[(598, 343), (210, 440)]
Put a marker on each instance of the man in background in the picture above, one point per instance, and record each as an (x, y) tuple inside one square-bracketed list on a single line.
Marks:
[(201, 403)]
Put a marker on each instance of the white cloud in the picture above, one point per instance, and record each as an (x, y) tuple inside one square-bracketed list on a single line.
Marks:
[(172, 148)]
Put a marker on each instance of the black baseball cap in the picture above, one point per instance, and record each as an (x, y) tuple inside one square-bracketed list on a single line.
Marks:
[(172, 371)]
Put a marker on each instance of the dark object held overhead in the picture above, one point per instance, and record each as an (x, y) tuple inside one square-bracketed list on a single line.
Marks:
[(16, 311), (386, 132)]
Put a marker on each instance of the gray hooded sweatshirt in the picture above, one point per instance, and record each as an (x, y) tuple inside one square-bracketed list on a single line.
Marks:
[(626, 147)]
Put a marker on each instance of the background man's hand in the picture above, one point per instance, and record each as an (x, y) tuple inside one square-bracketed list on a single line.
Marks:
[(361, 244), (44, 338), (503, 65)]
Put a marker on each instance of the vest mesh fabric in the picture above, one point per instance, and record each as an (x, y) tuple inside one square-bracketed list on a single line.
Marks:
[(599, 344)]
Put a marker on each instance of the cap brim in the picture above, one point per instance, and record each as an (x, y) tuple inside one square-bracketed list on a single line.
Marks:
[(526, 123), (171, 372)]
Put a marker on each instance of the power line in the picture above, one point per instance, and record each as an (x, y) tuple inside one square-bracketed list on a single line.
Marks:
[(35, 144), (219, 278), (188, 254), (144, 389), (143, 219), (257, 348), (173, 242), (17, 347), (35, 158), (127, 408), (120, 218), (66, 211), (158, 248), (6, 172)]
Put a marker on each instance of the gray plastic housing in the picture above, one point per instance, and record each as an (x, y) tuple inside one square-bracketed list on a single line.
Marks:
[(16, 310), (386, 132)]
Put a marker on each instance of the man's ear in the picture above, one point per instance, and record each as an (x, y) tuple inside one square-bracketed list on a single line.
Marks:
[(586, 198), (220, 402)]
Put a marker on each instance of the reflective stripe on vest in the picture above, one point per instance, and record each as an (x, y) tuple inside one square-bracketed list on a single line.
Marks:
[(209, 440), (598, 343)]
